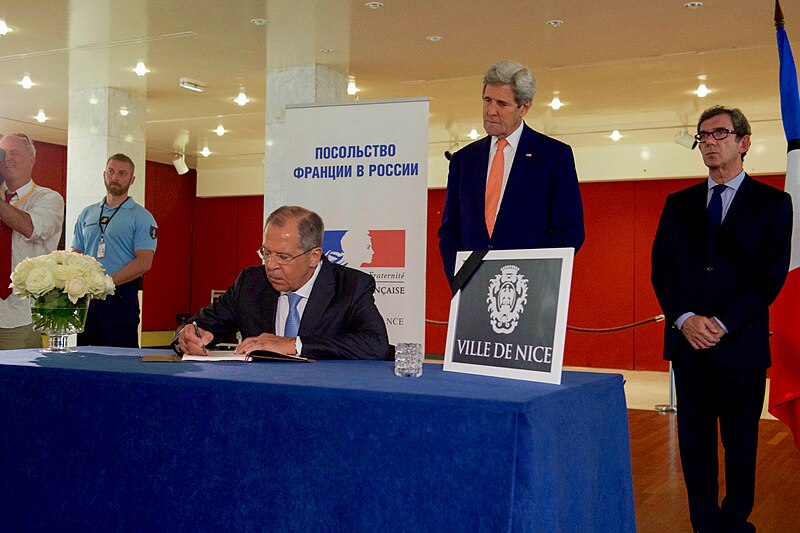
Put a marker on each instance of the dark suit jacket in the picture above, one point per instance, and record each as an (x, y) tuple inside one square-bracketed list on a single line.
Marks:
[(734, 276), (541, 206), (340, 320)]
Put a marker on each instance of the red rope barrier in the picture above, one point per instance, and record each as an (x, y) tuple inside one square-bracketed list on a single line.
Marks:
[(657, 318)]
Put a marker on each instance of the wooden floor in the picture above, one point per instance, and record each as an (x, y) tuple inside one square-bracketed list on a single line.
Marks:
[(659, 493)]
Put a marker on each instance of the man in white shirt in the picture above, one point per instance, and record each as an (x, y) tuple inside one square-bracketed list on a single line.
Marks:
[(31, 218)]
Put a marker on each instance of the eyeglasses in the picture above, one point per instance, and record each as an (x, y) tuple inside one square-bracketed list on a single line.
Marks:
[(718, 134), (281, 259)]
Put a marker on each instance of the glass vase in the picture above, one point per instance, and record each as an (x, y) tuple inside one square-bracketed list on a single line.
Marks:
[(57, 317)]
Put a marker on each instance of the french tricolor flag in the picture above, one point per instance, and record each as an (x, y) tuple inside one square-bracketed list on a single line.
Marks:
[(784, 394)]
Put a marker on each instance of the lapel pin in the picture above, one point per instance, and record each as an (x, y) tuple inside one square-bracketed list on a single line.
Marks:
[(528, 155)]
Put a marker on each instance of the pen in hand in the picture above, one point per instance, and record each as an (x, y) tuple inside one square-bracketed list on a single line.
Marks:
[(197, 332)]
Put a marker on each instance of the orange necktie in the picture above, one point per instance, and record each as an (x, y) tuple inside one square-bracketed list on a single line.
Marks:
[(5, 255), (494, 185)]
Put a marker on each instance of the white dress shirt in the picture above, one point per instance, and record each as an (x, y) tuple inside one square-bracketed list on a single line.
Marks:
[(46, 209)]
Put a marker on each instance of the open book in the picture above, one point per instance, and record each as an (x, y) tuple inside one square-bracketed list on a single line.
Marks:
[(254, 355), (226, 355)]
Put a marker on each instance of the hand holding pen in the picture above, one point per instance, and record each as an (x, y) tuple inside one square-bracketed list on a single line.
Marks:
[(193, 340)]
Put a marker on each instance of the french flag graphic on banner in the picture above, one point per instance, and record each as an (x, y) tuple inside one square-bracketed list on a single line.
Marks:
[(384, 248), (784, 393)]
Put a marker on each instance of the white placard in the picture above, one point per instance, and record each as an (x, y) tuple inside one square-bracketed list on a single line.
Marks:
[(363, 166), (510, 319)]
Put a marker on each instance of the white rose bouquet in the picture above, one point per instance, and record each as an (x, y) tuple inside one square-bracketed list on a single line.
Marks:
[(57, 283)]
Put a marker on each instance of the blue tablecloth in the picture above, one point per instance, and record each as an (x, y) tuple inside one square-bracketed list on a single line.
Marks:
[(100, 441)]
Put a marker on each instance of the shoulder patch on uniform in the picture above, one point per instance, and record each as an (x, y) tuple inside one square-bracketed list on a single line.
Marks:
[(153, 232)]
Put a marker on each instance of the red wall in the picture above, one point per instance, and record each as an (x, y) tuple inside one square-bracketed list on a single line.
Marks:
[(205, 242)]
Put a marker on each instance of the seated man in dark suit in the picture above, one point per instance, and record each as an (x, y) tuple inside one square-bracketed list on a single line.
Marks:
[(297, 303)]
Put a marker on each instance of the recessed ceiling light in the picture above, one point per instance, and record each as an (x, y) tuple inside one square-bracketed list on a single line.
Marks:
[(352, 88), (554, 23), (205, 152), (556, 102), (702, 90), (326, 50), (374, 5), (124, 111), (473, 134), (434, 38), (241, 98), (615, 135), (26, 82), (693, 5), (220, 130), (41, 117), (141, 69), (5, 28), (259, 21)]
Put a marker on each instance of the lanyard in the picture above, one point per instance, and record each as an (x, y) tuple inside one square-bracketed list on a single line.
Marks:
[(19, 200), (103, 222)]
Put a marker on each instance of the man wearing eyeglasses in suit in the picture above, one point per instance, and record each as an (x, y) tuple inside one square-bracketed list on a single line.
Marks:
[(297, 303), (720, 258)]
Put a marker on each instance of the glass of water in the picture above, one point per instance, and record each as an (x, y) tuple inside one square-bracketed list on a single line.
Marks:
[(408, 359)]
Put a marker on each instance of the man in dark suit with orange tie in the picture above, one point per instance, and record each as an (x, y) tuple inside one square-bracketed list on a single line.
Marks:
[(515, 188), (720, 257)]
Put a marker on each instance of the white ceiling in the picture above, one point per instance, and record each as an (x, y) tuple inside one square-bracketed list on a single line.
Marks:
[(617, 64)]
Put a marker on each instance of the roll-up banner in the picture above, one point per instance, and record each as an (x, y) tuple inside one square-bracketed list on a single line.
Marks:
[(363, 166)]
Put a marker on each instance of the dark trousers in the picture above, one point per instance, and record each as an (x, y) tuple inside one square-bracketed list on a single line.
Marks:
[(115, 320), (709, 392)]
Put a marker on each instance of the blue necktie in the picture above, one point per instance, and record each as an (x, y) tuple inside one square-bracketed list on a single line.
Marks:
[(293, 319), (715, 206)]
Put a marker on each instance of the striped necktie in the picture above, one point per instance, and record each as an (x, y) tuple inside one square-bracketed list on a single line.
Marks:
[(293, 318)]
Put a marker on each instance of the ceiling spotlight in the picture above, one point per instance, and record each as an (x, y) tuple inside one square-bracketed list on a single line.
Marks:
[(473, 134), (141, 69), (41, 117), (242, 98), (192, 85), (205, 152), (352, 88), (556, 103), (220, 130), (615, 135), (93, 100), (434, 38), (26, 82), (374, 5), (554, 23), (258, 21), (124, 111), (179, 162), (5, 28), (693, 5), (326, 50)]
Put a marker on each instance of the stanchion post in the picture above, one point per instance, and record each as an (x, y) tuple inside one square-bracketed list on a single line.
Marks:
[(670, 407)]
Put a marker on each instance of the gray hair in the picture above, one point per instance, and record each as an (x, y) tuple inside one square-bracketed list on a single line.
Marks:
[(740, 124), (24, 138), (309, 224), (507, 72)]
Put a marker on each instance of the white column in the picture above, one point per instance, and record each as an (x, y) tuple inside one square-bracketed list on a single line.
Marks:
[(101, 84), (298, 72)]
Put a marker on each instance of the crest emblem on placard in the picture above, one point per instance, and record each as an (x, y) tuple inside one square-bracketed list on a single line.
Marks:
[(508, 294)]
